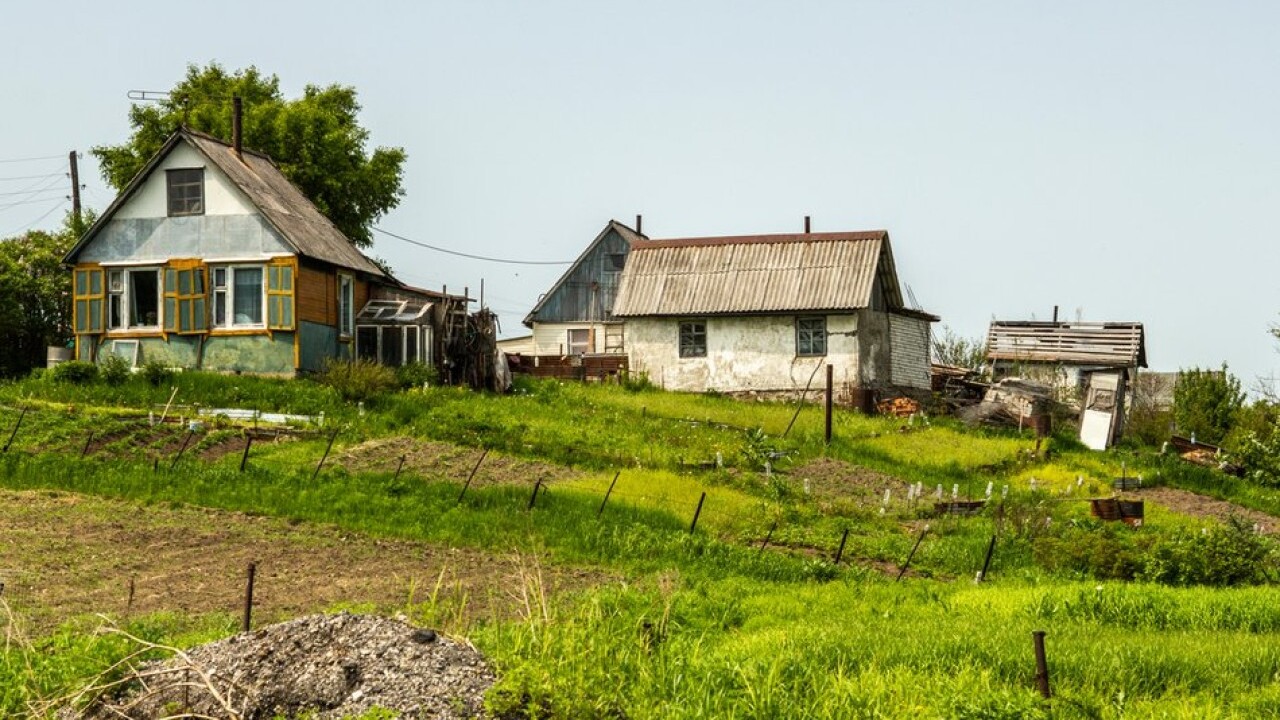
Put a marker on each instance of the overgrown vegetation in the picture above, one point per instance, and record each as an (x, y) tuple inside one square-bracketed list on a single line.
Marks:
[(705, 623)]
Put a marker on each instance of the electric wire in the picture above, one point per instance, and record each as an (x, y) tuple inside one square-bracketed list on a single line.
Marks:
[(28, 226), (32, 159), (446, 251)]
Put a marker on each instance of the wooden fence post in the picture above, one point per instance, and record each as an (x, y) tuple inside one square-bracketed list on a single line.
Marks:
[(244, 458), (697, 512), (472, 474), (247, 622), (840, 551), (1042, 665), (16, 425), (912, 554), (830, 393), (324, 457), (768, 537), (534, 497), (608, 493)]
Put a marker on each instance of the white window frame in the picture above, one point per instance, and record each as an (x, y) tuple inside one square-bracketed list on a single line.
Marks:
[(123, 294), (585, 344), (228, 291), (346, 306), (418, 331)]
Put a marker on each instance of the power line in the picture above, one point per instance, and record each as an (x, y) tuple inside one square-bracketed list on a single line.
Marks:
[(28, 202), (13, 178), (29, 225), (473, 257), (31, 159)]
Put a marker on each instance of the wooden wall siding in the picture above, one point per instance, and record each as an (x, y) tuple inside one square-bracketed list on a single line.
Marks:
[(588, 290), (317, 295), (909, 343)]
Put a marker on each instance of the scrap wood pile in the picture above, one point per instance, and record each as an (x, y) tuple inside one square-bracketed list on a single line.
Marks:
[(898, 407), (1204, 454), (1011, 402)]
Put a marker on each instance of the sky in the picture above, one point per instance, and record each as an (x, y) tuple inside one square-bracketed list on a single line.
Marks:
[(1118, 160)]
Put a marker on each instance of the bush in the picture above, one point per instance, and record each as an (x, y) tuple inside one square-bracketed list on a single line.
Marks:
[(416, 374), (1231, 554), (75, 371), (358, 380), (1206, 403), (115, 370), (157, 373)]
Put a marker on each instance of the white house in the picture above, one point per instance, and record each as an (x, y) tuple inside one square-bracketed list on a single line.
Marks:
[(763, 313)]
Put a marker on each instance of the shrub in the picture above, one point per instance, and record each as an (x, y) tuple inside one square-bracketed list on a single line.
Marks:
[(1206, 403), (416, 374), (115, 370), (358, 380), (75, 371), (157, 373), (1231, 554)]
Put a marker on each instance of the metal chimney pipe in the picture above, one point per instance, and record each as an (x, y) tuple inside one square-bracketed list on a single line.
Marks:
[(1055, 314), (639, 221), (806, 224), (237, 108)]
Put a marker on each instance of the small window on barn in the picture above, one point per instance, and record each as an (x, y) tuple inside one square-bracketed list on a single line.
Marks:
[(811, 336), (693, 338), (617, 261), (579, 341), (185, 191)]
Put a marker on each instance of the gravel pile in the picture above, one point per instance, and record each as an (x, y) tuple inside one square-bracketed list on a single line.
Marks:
[(333, 666)]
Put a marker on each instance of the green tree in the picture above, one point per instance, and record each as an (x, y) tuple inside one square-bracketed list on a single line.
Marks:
[(1206, 403), (951, 348), (35, 296), (315, 139)]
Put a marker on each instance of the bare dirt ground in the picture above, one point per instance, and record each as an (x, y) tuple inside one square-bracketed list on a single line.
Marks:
[(448, 462), (828, 478), (1201, 506), (63, 555)]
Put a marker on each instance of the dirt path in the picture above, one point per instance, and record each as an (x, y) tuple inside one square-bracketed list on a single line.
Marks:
[(1201, 506), (63, 555)]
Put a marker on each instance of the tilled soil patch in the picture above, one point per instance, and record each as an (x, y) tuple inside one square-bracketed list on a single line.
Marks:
[(63, 555), (828, 478), (326, 667), (442, 461), (1195, 505)]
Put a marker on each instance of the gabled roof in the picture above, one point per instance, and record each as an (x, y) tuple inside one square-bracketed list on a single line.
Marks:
[(759, 274), (282, 204), (631, 236), (1114, 344)]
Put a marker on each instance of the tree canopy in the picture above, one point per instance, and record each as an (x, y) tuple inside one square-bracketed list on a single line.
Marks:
[(36, 293), (315, 139)]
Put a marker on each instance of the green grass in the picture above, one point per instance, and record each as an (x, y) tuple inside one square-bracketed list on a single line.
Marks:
[(704, 624)]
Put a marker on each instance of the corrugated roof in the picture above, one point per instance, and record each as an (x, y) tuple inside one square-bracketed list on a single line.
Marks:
[(1118, 344), (757, 274), (283, 205)]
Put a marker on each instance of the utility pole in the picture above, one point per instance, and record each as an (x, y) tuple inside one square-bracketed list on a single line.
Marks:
[(75, 189)]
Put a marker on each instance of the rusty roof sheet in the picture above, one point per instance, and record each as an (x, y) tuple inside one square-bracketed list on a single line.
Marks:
[(283, 205), (1113, 344), (757, 274)]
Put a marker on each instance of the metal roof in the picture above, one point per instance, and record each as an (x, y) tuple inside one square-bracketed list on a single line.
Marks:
[(283, 205), (1116, 344), (758, 274)]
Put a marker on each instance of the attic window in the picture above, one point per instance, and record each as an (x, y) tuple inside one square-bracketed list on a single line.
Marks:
[(186, 191), (617, 261)]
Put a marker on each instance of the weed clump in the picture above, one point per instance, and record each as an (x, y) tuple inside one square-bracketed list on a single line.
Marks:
[(358, 380), (77, 372)]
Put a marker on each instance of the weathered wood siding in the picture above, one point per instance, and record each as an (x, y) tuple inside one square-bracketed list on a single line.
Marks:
[(909, 350), (317, 294), (586, 293)]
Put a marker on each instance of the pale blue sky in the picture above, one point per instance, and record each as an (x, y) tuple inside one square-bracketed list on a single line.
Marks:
[(1119, 160)]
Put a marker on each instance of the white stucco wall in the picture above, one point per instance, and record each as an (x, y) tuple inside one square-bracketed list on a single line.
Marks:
[(743, 353), (220, 196)]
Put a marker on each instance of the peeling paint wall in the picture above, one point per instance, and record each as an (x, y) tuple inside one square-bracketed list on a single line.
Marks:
[(259, 354), (754, 353)]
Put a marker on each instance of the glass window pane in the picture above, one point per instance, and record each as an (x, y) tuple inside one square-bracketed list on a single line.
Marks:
[(247, 296), (411, 344), (144, 298), (367, 343)]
